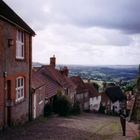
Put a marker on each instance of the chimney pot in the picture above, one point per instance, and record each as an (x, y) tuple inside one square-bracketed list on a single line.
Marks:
[(53, 61)]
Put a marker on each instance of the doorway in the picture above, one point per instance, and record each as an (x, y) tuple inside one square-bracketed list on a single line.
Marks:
[(9, 100)]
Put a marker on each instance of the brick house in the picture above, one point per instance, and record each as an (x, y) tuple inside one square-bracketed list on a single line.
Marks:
[(59, 77), (47, 82), (82, 95), (15, 67), (44, 90)]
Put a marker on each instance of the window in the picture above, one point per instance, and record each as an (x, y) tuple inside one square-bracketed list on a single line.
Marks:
[(19, 88), (20, 45)]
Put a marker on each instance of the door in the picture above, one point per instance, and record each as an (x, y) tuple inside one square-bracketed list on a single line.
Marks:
[(9, 116), (34, 106), (9, 99)]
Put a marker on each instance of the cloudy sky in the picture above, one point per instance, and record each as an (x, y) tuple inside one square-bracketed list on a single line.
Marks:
[(86, 32)]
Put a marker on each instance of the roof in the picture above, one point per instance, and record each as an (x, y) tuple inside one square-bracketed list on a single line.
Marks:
[(6, 13), (91, 90), (115, 93), (104, 98), (51, 87), (80, 85), (56, 75), (36, 81)]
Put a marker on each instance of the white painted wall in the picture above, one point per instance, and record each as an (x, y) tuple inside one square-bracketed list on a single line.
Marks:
[(116, 106), (95, 103)]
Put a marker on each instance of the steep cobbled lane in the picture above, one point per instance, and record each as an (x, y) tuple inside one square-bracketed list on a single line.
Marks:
[(82, 127)]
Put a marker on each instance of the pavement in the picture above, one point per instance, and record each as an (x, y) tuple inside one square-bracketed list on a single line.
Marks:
[(131, 129), (86, 126)]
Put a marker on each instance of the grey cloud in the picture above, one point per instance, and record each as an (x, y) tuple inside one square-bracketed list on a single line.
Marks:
[(115, 14), (96, 36), (83, 30), (120, 14)]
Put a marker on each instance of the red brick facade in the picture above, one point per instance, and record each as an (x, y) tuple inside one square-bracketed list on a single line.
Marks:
[(12, 111)]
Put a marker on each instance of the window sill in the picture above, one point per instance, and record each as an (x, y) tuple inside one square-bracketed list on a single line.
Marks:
[(19, 59), (19, 101)]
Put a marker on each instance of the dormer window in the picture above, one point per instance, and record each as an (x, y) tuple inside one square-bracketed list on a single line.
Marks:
[(20, 45)]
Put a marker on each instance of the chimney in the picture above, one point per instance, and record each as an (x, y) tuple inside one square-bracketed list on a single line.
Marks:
[(53, 61), (88, 81), (64, 71)]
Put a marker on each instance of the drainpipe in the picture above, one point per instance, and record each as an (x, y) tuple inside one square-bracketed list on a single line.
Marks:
[(5, 86), (4, 99), (30, 76)]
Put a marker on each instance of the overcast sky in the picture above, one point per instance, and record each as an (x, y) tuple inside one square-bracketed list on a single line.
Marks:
[(86, 32)]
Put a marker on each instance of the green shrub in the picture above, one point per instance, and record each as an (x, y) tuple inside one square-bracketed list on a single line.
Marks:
[(102, 108), (48, 109), (76, 108), (62, 105), (55, 104), (137, 138)]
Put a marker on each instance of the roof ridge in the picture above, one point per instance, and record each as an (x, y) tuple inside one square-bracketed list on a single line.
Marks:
[(10, 15)]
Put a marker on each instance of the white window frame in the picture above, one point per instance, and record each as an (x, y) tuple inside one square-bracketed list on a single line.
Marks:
[(20, 45), (19, 88)]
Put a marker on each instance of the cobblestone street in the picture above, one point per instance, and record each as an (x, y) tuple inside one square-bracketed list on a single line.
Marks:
[(82, 127)]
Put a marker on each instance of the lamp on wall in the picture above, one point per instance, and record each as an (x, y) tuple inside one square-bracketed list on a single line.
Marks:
[(10, 42)]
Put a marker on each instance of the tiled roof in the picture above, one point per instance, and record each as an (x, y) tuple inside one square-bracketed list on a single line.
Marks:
[(51, 87), (91, 90), (80, 86), (36, 81), (6, 13), (56, 75)]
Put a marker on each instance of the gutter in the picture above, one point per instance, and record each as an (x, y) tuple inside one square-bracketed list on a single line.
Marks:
[(39, 87), (33, 34)]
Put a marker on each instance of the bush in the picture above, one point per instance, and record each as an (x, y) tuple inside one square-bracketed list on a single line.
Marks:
[(102, 109), (137, 138), (96, 86), (62, 105), (76, 108), (48, 109), (55, 104)]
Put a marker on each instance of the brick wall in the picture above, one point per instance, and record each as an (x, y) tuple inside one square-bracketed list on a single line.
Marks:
[(14, 68), (1, 76)]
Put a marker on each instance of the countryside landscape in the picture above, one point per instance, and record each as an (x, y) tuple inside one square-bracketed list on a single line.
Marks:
[(69, 70)]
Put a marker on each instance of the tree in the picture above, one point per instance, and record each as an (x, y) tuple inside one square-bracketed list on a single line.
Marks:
[(96, 86), (130, 86)]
